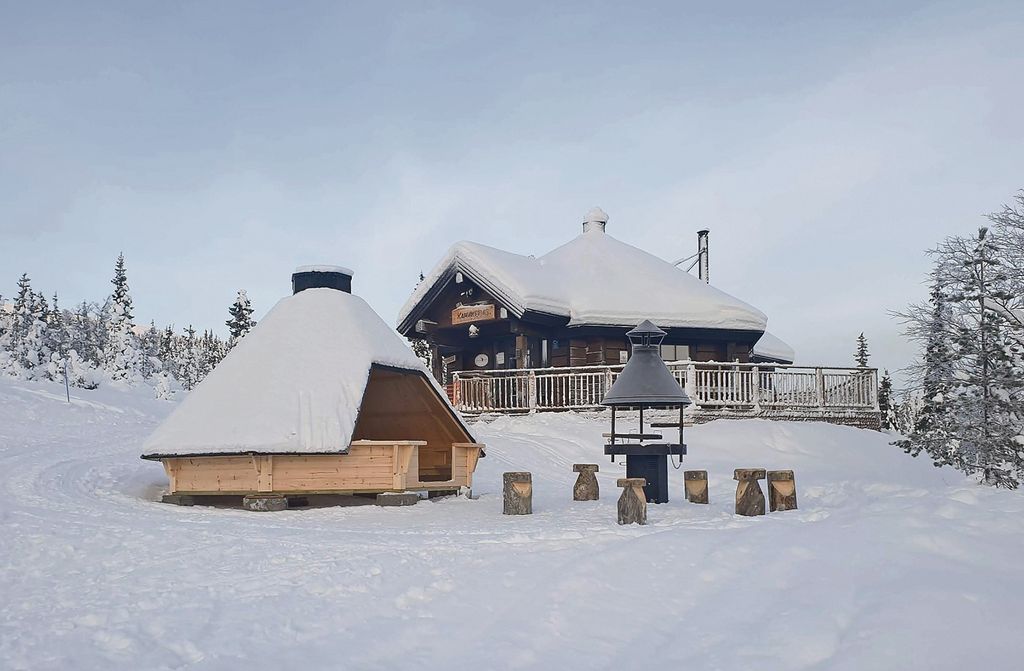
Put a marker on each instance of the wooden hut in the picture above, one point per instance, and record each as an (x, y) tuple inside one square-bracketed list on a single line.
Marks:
[(485, 309), (322, 397)]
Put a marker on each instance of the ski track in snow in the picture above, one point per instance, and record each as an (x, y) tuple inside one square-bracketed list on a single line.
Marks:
[(888, 563)]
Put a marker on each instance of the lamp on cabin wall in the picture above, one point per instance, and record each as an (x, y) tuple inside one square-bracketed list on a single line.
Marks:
[(474, 331), (646, 383)]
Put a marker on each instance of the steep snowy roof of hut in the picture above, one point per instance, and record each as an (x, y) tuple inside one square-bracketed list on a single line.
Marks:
[(593, 280), (294, 384)]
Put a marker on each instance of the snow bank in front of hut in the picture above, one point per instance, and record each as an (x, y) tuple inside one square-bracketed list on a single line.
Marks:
[(293, 384), (888, 563)]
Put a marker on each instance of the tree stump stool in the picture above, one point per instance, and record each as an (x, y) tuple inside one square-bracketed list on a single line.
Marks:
[(696, 486), (518, 493), (586, 488), (749, 497), (633, 502), (781, 490)]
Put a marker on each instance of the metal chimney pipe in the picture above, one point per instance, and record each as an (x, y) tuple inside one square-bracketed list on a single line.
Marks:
[(322, 277), (703, 270)]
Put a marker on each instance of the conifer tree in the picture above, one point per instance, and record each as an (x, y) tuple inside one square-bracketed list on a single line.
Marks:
[(123, 357), (887, 405), (121, 297), (862, 355), (187, 359), (241, 321), (931, 324), (988, 386)]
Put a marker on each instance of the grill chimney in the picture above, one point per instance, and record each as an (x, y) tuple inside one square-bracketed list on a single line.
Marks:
[(595, 220), (322, 277), (702, 256)]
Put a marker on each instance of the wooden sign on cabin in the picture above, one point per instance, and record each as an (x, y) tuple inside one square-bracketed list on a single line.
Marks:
[(466, 314)]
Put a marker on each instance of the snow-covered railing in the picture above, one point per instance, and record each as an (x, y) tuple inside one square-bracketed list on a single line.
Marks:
[(722, 386)]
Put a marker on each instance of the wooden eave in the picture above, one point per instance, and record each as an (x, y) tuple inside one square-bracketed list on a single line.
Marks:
[(500, 296)]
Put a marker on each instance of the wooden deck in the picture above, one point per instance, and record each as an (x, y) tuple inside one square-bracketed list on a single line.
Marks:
[(718, 390)]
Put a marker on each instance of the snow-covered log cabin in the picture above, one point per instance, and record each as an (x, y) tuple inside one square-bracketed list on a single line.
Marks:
[(320, 397), (512, 333), (482, 308)]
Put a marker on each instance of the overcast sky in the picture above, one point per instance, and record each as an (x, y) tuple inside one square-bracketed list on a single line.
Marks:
[(220, 144)]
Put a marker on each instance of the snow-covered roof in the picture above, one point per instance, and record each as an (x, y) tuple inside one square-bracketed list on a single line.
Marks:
[(295, 383), (771, 348), (595, 280)]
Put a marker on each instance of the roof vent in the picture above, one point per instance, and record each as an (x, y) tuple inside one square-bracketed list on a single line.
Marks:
[(322, 277), (595, 220)]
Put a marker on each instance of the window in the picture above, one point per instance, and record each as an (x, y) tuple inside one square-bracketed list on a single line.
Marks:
[(675, 352)]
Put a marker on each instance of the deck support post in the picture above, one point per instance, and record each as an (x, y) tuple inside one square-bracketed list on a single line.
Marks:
[(749, 497), (632, 505)]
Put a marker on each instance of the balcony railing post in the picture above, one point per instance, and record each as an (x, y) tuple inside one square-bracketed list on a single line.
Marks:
[(820, 386), (531, 390), (456, 391), (874, 390), (755, 389), (691, 382)]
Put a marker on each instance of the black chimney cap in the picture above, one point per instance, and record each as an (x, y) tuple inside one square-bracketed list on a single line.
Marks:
[(322, 277)]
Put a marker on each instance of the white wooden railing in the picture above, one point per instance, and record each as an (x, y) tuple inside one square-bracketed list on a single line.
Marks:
[(738, 387)]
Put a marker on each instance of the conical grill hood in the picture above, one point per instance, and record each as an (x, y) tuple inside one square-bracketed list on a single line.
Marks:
[(646, 381)]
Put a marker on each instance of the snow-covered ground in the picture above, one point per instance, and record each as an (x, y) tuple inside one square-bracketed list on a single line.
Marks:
[(888, 564)]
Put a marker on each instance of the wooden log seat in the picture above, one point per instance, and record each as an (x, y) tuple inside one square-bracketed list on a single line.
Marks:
[(586, 487), (632, 505), (749, 497), (517, 493), (696, 486), (781, 491)]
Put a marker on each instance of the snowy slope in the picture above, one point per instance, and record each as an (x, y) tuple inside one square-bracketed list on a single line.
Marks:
[(888, 564)]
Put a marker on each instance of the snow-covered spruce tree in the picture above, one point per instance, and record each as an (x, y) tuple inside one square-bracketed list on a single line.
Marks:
[(151, 363), (862, 355), (169, 345), (57, 341), (211, 350), (887, 403), (241, 321), (29, 353), (187, 360), (123, 356), (930, 324), (5, 333), (988, 389)]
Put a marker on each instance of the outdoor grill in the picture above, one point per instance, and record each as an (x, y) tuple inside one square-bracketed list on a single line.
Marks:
[(646, 383)]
